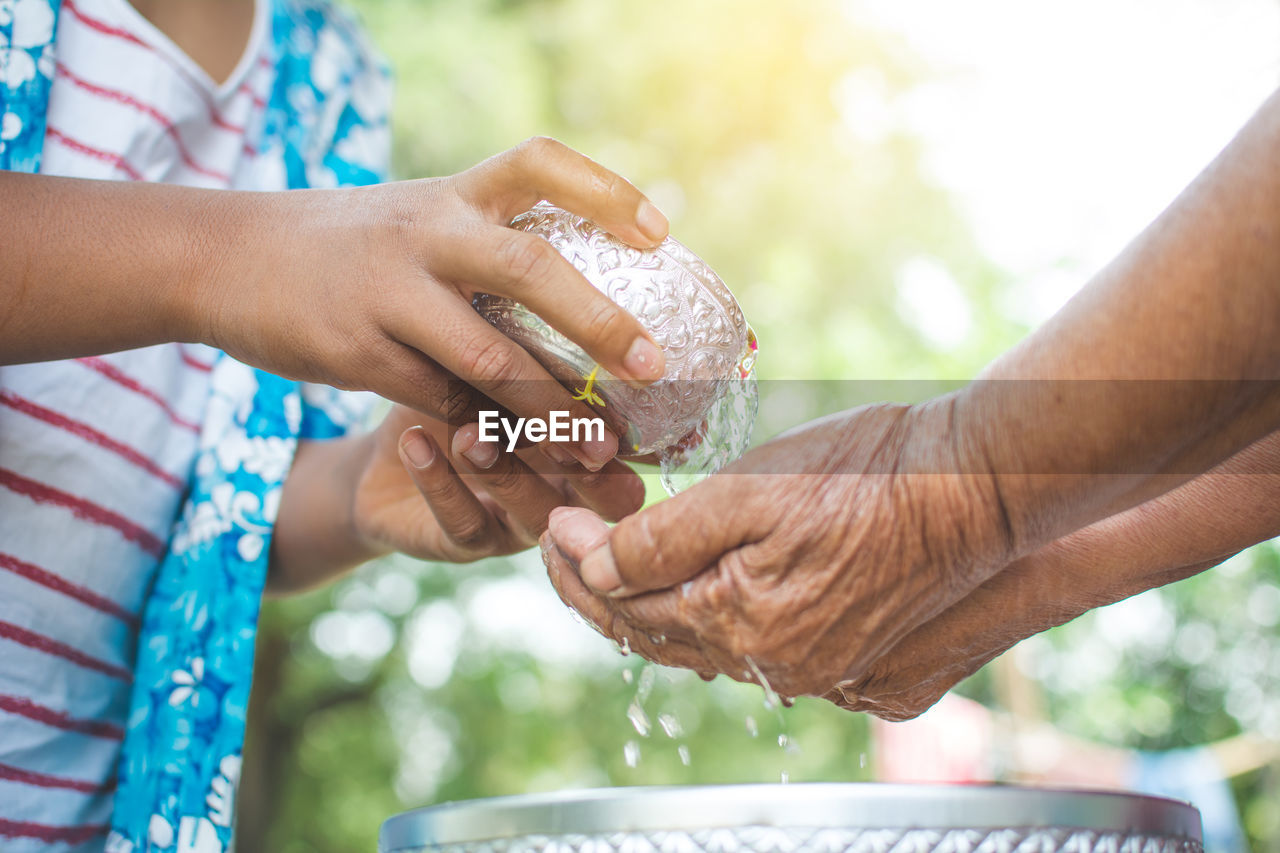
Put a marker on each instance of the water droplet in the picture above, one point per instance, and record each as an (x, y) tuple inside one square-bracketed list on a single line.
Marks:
[(752, 728), (627, 676), (782, 741), (645, 686), (784, 778), (625, 648), (862, 760), (670, 725), (579, 618), (657, 639), (771, 700), (684, 754), (638, 718), (631, 753)]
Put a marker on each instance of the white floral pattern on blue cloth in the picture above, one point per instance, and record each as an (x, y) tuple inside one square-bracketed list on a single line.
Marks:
[(326, 125), (27, 30)]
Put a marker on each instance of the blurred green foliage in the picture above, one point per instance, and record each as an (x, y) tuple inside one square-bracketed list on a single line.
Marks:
[(408, 684)]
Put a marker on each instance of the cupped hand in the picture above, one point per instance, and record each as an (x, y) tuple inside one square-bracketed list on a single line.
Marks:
[(803, 562), (411, 498), (370, 288)]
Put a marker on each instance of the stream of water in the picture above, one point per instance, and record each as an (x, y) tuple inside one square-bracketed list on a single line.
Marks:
[(657, 723)]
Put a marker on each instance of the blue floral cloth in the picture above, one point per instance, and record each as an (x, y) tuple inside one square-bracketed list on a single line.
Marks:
[(181, 755), (27, 29)]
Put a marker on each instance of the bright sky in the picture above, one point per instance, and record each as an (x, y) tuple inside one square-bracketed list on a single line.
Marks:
[(1066, 127)]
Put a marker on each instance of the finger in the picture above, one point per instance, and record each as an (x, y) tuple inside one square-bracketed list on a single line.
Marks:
[(668, 621), (564, 579), (893, 712), (404, 375), (668, 651), (463, 343), (613, 492), (481, 455), (660, 612), (542, 168), (604, 617), (525, 497), (662, 546), (528, 269), (459, 514)]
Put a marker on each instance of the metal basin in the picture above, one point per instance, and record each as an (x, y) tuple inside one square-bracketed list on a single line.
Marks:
[(801, 818)]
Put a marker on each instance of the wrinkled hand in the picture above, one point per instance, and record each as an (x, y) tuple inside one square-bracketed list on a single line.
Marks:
[(807, 559), (1180, 533), (1174, 536), (411, 498), (370, 288)]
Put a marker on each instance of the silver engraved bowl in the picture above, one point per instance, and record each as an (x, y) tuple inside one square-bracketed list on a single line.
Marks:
[(802, 818), (675, 295)]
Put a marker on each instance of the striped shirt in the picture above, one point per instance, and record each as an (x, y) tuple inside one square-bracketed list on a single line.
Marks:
[(96, 453)]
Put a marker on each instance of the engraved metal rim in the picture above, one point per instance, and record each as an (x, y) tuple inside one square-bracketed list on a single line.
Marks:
[(834, 805)]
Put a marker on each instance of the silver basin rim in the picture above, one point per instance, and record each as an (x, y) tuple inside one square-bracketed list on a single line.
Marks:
[(809, 805)]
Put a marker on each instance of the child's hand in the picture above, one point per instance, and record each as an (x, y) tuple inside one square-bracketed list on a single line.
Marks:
[(411, 498), (371, 288), (353, 499), (360, 288)]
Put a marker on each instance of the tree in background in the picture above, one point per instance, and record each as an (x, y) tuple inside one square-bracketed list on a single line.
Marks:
[(769, 133)]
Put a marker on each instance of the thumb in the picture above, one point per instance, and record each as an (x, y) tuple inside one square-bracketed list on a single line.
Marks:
[(659, 547)]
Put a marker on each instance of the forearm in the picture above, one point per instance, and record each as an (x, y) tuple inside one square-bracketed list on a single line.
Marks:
[(1176, 535), (1182, 532), (99, 266), (1179, 339), (315, 535)]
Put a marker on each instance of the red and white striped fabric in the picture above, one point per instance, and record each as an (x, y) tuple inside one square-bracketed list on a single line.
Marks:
[(95, 453)]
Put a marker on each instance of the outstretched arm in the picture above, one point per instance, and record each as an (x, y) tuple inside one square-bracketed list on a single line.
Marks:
[(1164, 365), (365, 288), (1176, 535), (817, 553)]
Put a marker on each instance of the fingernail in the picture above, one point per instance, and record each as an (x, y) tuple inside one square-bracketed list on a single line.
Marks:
[(577, 531), (558, 512), (651, 222), (644, 360), (481, 454), (556, 454), (547, 546), (416, 448), (599, 452), (600, 572)]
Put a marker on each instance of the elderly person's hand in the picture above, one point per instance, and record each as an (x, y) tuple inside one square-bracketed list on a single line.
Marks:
[(817, 554), (804, 561), (793, 624)]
